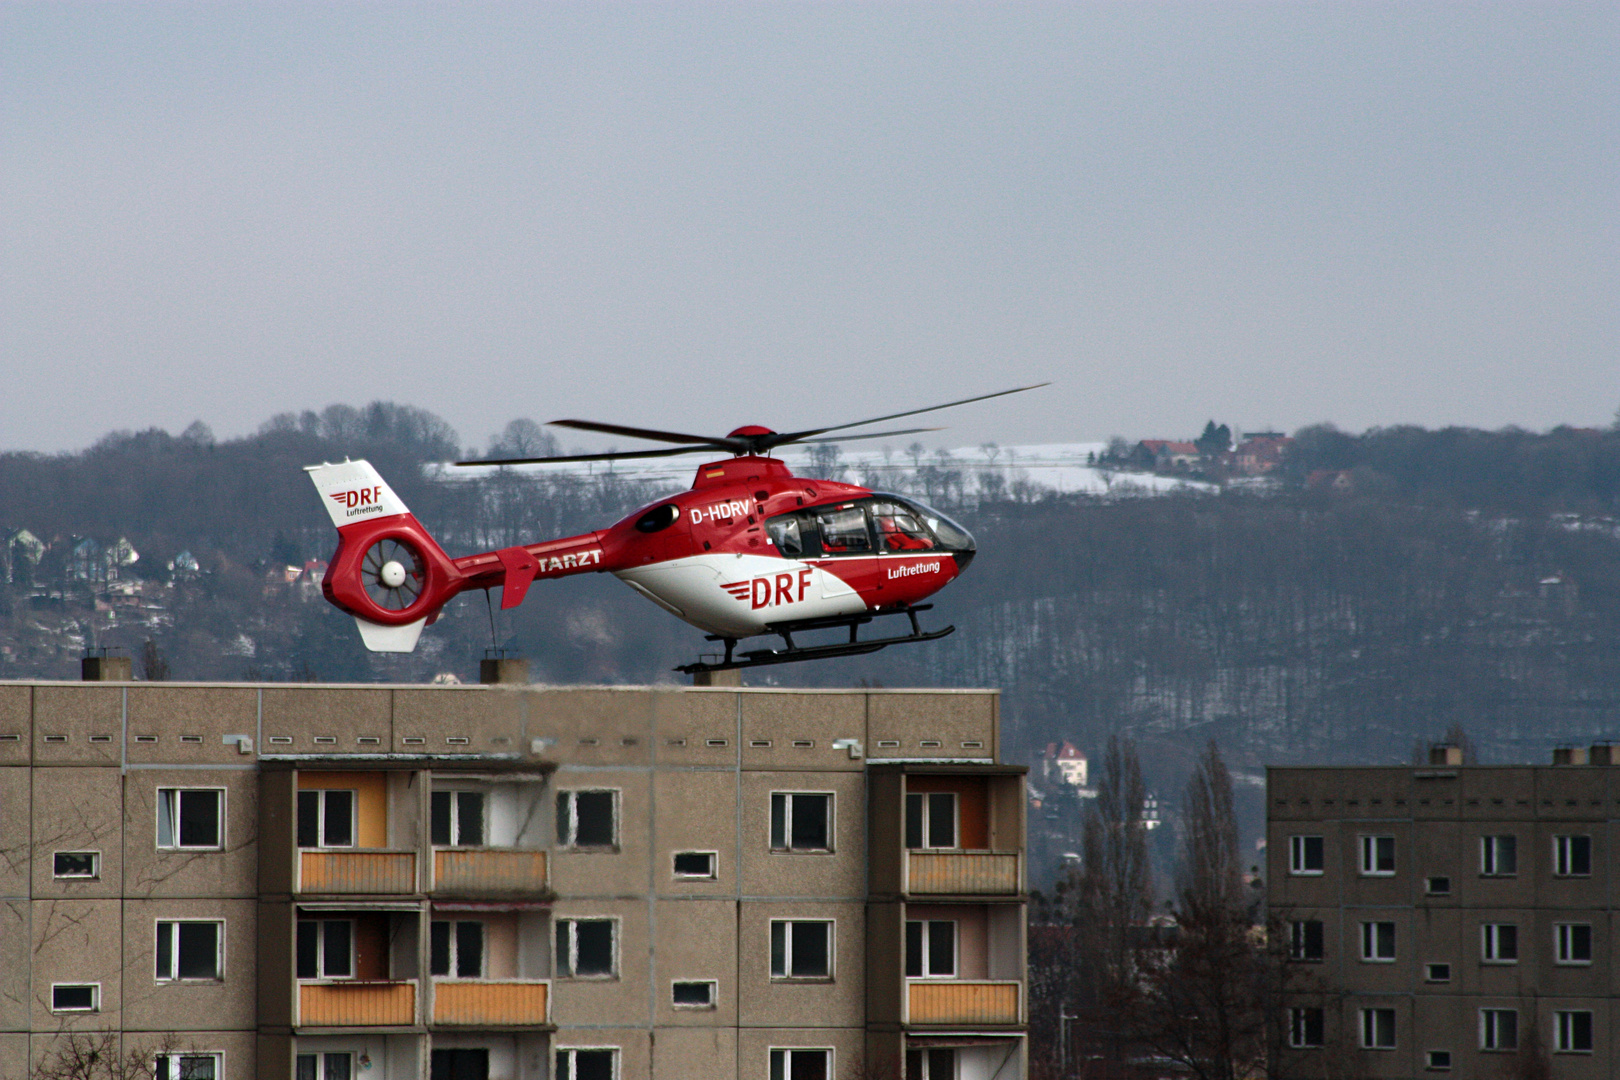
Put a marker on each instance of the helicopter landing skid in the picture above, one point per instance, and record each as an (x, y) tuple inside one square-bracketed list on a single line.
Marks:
[(793, 653)]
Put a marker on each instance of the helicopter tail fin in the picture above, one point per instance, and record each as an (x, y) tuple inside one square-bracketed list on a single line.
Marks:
[(387, 571)]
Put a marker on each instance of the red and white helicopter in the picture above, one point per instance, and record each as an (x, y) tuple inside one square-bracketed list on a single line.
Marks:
[(750, 549)]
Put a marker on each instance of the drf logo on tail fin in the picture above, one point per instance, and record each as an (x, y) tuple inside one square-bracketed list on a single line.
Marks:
[(771, 590), (366, 500)]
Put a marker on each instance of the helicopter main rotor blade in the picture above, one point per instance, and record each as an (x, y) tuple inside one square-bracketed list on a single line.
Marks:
[(705, 441), (873, 435), (799, 436), (612, 455)]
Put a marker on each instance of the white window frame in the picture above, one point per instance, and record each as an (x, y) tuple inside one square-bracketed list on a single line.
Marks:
[(787, 1053), (571, 922), (455, 794), (714, 866), (95, 871), (928, 817), (1564, 855), (1490, 1035), (321, 1057), (1369, 1030), (562, 1053), (320, 951), (455, 950), (714, 994), (1563, 1031), (1369, 845), (320, 818), (95, 996), (163, 795), (173, 926), (787, 824), (1297, 852), (569, 835), (787, 950), (927, 941), (1298, 939), (1490, 855), (1371, 940), (1564, 941), (1490, 943), (169, 1066), (1296, 1027)]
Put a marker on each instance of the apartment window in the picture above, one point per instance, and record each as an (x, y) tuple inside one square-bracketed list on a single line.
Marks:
[(1573, 942), (695, 865), (457, 818), (1499, 856), (931, 819), (189, 950), (1378, 1029), (76, 864), (799, 1064), (587, 819), (1499, 943), (190, 818), (1437, 886), (1307, 855), (1437, 1060), (326, 818), (585, 949), (1437, 973), (1572, 856), (456, 949), (694, 994), (801, 949), (325, 1066), (1305, 940), (934, 1063), (186, 1067), (75, 997), (593, 1064), (1572, 1032), (1377, 856), (1377, 942), (801, 821), (459, 1063), (325, 949), (1498, 1029), (1306, 1028), (930, 948)]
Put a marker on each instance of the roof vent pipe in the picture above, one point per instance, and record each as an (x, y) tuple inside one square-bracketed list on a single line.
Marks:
[(1445, 754)]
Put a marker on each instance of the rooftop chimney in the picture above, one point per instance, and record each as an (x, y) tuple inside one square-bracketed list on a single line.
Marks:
[(98, 665), (1604, 754), (498, 669), (1569, 755), (1445, 754)]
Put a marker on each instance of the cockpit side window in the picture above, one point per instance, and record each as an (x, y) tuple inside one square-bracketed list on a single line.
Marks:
[(898, 528), (843, 530), (794, 535)]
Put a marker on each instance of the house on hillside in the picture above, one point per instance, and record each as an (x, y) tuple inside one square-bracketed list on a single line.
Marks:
[(1261, 452), (1165, 455), (1062, 762), (22, 555)]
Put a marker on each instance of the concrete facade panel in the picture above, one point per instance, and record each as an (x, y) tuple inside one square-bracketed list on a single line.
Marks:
[(697, 812), (596, 872), (78, 725), (697, 727), (592, 727), (15, 966), (231, 870), (77, 810), (77, 942), (345, 715), (836, 1002), (840, 872), (16, 829), (463, 720), (188, 724), (918, 721), (697, 940), (151, 1004), (16, 725), (796, 730), (706, 1052), (625, 999)]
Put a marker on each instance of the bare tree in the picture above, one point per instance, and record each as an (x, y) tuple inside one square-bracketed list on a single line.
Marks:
[(101, 1055)]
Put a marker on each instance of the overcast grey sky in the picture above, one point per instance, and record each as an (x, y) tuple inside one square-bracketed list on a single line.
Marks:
[(702, 216)]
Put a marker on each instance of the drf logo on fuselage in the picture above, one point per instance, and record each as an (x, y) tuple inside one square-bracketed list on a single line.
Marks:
[(366, 500), (771, 590)]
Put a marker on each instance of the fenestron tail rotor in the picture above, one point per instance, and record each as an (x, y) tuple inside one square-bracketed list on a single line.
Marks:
[(393, 573), (744, 440)]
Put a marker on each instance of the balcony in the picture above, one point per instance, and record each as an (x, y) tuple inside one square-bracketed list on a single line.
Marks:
[(956, 1001), (508, 1003), (962, 873), (482, 871), (356, 1004), (357, 872)]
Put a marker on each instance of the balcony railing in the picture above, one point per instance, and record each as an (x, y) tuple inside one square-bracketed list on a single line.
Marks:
[(489, 870), (962, 873), (356, 1004), (953, 1001), (357, 872), (491, 1004)]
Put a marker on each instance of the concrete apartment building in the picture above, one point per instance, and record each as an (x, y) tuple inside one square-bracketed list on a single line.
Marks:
[(512, 882), (1441, 919)]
